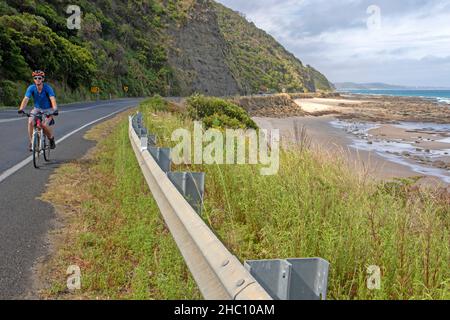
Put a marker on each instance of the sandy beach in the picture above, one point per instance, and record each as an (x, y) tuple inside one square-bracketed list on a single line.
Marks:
[(384, 137), (322, 105)]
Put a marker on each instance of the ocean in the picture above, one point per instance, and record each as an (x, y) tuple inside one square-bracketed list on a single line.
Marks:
[(442, 96)]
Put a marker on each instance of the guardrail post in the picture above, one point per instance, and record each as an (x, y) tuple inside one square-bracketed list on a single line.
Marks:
[(191, 185), (138, 118), (162, 157), (292, 279), (143, 136), (151, 140)]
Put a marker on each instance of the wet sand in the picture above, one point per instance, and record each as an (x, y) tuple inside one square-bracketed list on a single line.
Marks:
[(424, 139), (329, 138), (378, 108)]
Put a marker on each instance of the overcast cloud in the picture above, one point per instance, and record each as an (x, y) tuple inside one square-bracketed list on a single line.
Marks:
[(411, 46)]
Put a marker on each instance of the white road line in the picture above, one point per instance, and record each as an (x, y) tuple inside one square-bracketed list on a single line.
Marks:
[(24, 162), (62, 112), (11, 120)]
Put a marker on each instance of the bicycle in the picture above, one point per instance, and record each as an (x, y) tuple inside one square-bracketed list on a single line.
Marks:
[(40, 141)]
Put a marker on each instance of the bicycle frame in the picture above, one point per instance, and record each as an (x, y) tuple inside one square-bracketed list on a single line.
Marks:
[(39, 139), (37, 129)]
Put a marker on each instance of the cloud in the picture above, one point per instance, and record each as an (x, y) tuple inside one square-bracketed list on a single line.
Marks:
[(333, 36)]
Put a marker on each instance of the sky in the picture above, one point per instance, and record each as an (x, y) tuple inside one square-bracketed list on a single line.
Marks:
[(405, 42)]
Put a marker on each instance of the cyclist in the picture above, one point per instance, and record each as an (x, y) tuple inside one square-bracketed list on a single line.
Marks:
[(44, 100)]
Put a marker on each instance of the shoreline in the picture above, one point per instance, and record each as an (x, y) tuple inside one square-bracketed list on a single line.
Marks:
[(333, 140), (444, 101), (386, 137)]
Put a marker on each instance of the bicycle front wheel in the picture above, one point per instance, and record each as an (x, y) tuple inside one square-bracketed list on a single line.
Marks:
[(36, 149), (46, 149)]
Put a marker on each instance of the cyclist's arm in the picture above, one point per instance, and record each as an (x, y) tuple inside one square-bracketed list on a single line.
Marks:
[(54, 105), (24, 103)]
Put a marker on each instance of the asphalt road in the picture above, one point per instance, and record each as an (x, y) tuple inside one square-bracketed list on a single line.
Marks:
[(25, 220)]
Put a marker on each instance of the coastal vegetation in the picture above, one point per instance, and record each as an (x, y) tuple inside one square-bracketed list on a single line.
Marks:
[(218, 113), (316, 207)]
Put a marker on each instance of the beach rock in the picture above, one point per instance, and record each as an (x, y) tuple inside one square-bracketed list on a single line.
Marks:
[(428, 151), (406, 154), (440, 164), (369, 142)]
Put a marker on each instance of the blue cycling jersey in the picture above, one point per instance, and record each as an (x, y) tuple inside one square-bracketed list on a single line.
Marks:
[(41, 100)]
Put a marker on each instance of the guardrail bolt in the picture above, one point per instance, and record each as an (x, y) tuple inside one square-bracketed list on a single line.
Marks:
[(240, 282)]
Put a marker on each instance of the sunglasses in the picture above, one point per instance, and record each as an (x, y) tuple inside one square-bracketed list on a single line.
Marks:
[(38, 78)]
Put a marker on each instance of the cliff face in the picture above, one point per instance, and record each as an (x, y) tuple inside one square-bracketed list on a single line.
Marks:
[(217, 51), (198, 53)]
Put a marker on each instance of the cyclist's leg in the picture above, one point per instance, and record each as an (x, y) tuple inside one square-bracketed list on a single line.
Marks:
[(30, 128), (47, 129), (49, 132)]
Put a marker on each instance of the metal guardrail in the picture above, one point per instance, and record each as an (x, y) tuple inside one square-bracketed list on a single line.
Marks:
[(218, 274)]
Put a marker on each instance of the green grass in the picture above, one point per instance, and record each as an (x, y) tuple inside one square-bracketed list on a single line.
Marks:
[(316, 207), (117, 237)]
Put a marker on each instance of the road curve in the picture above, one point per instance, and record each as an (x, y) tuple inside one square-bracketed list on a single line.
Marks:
[(25, 220)]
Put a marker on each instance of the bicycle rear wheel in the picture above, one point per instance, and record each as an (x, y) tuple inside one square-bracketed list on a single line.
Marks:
[(36, 149)]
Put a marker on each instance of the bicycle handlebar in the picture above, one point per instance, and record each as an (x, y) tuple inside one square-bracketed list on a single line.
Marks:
[(47, 114)]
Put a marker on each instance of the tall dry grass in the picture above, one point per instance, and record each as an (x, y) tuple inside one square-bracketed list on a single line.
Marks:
[(316, 207)]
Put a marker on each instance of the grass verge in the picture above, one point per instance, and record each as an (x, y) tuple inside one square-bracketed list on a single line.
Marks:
[(111, 228)]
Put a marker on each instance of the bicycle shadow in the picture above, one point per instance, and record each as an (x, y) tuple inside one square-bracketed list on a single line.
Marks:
[(53, 164), (56, 163)]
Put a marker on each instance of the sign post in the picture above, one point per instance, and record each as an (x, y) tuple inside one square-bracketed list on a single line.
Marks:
[(96, 90)]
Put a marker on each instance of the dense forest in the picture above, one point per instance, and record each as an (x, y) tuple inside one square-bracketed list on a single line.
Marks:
[(118, 45), (128, 44)]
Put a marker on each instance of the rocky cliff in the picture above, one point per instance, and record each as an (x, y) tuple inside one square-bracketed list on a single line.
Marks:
[(198, 54), (216, 51)]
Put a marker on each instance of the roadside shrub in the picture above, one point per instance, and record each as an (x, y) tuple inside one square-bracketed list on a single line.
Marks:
[(9, 93), (157, 103), (219, 113)]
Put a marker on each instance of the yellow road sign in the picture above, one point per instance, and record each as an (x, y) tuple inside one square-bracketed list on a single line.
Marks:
[(95, 89), (125, 88)]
